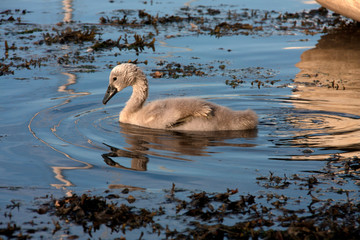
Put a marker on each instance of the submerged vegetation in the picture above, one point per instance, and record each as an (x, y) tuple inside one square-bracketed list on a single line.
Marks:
[(181, 214)]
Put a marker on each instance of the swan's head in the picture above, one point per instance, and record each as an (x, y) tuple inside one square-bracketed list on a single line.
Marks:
[(121, 76)]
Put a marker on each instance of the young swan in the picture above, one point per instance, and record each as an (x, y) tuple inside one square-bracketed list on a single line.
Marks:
[(189, 114)]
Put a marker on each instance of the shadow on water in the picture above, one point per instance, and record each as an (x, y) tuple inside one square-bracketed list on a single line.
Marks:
[(328, 93), (172, 144)]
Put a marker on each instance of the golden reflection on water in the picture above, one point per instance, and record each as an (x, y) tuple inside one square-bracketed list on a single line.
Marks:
[(68, 10), (328, 84), (58, 170)]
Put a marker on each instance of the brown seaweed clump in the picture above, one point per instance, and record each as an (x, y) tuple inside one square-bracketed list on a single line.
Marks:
[(70, 35), (97, 211), (176, 70), (5, 69), (139, 44)]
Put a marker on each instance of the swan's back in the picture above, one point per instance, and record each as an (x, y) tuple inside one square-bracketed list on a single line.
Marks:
[(191, 114), (222, 119)]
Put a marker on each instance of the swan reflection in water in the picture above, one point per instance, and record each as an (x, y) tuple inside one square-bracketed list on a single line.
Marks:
[(145, 142)]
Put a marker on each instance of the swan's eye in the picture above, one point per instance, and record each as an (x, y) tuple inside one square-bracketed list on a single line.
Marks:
[(114, 78)]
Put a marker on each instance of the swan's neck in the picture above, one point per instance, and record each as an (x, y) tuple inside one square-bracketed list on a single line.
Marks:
[(138, 96)]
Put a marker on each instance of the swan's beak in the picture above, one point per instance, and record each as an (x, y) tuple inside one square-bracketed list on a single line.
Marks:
[(110, 92)]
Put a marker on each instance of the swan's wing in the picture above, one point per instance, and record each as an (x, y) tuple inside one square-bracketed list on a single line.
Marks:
[(205, 110), (179, 122), (168, 118), (174, 112)]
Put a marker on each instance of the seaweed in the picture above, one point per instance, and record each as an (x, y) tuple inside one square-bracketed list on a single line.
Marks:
[(205, 215), (138, 45), (69, 35), (5, 69), (224, 27), (176, 70)]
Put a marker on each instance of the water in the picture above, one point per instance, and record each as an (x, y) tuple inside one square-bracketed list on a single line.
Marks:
[(56, 134)]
